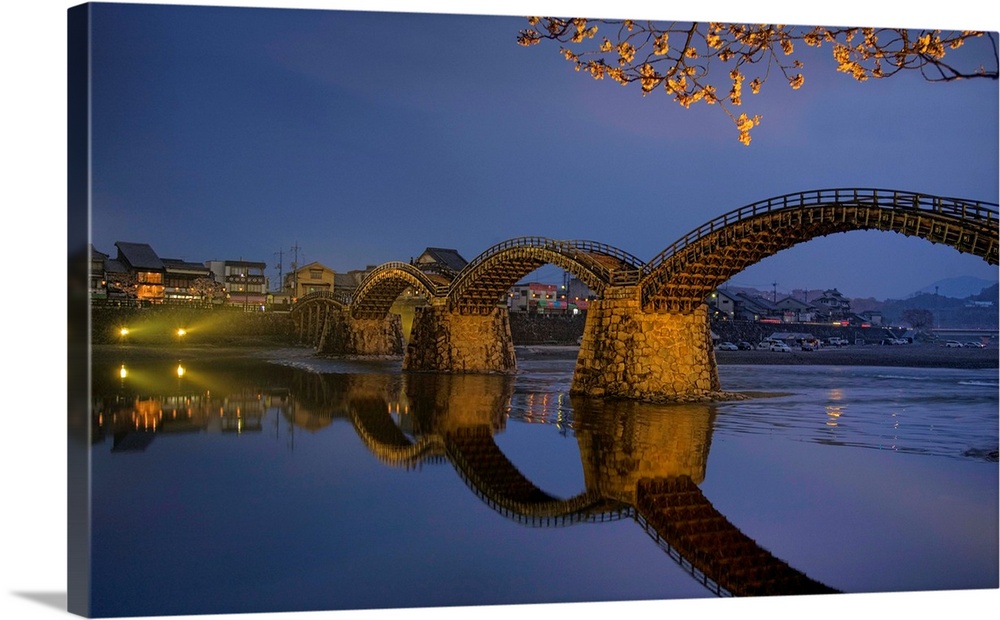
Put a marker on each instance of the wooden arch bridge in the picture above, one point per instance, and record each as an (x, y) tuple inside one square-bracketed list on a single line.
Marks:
[(646, 335)]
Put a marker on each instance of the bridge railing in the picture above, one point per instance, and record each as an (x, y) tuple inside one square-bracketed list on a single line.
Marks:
[(976, 211), (339, 297), (433, 287), (597, 247), (576, 249), (583, 252)]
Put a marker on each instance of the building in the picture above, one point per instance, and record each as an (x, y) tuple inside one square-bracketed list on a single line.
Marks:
[(98, 278), (440, 260), (244, 281), (833, 306), (539, 298), (531, 297), (138, 274), (872, 317), (744, 307), (312, 278), (724, 303), (579, 294), (796, 311), (189, 282)]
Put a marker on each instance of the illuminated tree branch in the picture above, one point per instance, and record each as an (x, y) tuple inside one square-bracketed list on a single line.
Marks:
[(677, 57)]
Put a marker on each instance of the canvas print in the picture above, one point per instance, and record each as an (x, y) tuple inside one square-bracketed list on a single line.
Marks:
[(391, 310)]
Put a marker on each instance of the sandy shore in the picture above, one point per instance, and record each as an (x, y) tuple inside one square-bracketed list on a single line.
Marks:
[(915, 355)]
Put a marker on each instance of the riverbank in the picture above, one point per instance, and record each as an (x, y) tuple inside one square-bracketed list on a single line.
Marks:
[(181, 352)]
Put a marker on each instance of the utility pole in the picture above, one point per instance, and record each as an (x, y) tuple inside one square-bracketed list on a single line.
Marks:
[(295, 270), (281, 283), (775, 293)]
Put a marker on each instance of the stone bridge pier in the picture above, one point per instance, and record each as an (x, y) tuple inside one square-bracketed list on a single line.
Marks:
[(444, 340), (653, 356), (343, 334)]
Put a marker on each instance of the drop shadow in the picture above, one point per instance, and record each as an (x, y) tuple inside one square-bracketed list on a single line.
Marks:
[(56, 600)]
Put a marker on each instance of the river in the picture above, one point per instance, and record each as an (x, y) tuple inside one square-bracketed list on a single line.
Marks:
[(227, 483)]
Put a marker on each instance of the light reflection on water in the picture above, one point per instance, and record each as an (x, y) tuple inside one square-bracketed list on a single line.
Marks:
[(935, 411), (567, 469)]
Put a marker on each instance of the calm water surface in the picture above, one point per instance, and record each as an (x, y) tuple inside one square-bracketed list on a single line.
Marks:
[(242, 484)]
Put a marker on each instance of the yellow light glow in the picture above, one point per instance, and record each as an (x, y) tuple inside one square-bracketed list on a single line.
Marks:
[(181, 331), (122, 372), (123, 331), (180, 370)]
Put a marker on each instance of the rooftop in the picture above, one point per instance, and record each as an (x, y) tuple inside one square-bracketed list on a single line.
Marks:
[(139, 256)]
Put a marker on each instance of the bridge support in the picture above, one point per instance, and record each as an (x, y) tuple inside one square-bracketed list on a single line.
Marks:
[(629, 353), (617, 455), (345, 335), (446, 341)]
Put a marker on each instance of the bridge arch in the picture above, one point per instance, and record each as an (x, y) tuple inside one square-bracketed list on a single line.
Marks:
[(312, 314), (488, 472), (384, 284), (482, 284), (685, 273), (383, 438), (320, 298)]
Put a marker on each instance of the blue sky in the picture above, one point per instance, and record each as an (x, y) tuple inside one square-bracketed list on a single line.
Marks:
[(364, 137)]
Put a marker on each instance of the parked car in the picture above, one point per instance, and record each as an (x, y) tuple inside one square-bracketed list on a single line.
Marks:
[(727, 346), (974, 345), (743, 345), (808, 346), (953, 344), (781, 346), (765, 345)]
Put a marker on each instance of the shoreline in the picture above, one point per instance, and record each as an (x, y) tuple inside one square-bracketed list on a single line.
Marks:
[(912, 355)]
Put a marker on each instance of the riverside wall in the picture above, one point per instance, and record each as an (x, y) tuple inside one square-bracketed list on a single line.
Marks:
[(754, 332), (528, 329), (156, 325)]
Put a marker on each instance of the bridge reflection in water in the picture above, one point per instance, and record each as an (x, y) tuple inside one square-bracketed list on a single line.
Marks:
[(640, 462)]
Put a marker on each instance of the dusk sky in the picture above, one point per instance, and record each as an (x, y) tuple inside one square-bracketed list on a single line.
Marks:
[(364, 137)]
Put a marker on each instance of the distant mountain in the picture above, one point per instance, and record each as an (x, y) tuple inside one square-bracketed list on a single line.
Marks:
[(958, 287), (990, 293)]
